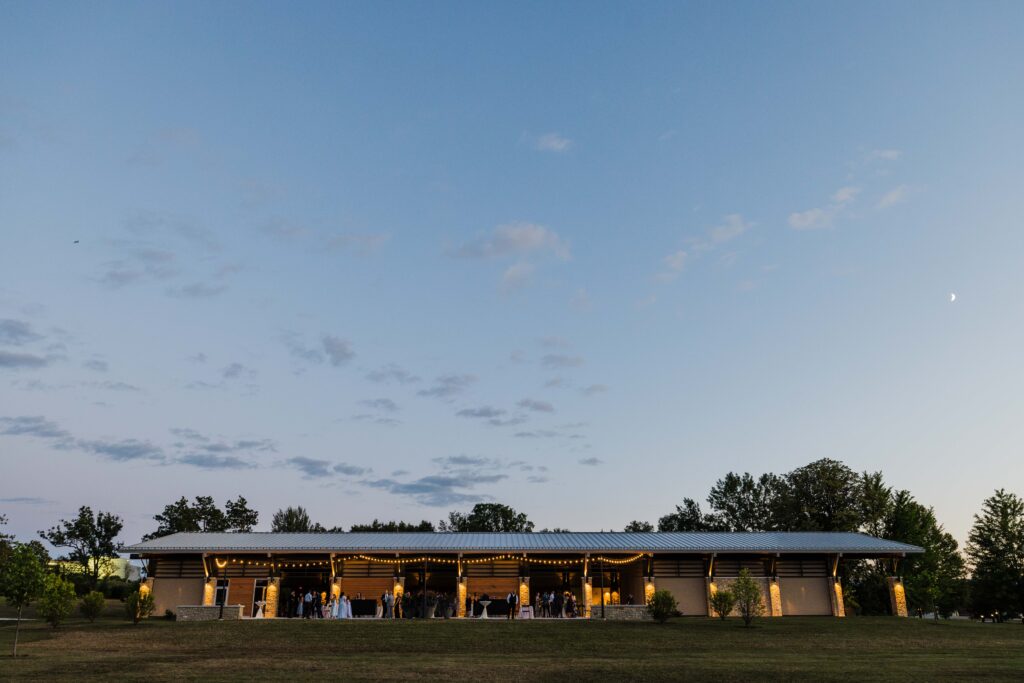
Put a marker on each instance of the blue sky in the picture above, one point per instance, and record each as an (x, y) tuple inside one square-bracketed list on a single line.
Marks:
[(387, 260)]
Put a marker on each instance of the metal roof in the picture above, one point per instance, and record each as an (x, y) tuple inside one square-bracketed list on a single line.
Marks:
[(603, 541)]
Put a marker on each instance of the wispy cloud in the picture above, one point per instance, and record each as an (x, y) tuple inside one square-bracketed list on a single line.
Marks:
[(885, 154), (515, 239), (591, 462), (561, 360), (392, 374), (362, 242), (17, 332), (97, 365), (10, 359), (32, 425), (594, 389), (516, 276), (536, 406), (483, 412), (448, 386), (385, 404), (552, 142), (339, 351), (824, 216), (893, 196)]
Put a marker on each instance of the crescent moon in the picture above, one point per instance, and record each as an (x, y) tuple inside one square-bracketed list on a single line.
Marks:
[(952, 297)]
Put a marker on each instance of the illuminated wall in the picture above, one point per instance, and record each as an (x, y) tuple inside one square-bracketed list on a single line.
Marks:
[(649, 589), (209, 590), (524, 591), (588, 595)]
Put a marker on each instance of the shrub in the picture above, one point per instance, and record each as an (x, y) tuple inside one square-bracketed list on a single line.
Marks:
[(749, 600), (722, 602), (92, 605), (58, 600), (138, 606), (170, 615), (661, 606)]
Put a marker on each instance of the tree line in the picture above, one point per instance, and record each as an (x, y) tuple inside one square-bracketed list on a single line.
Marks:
[(986, 577)]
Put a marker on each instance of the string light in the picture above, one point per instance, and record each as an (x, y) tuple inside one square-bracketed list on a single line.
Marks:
[(398, 561)]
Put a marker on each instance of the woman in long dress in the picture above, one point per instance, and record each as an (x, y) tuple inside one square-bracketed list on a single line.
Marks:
[(348, 608), (342, 599)]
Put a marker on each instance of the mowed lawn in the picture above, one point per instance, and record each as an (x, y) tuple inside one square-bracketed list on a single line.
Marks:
[(684, 649)]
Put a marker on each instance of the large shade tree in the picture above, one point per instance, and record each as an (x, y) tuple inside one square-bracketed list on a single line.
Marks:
[(91, 540), (487, 517), (995, 550), (294, 520), (204, 515)]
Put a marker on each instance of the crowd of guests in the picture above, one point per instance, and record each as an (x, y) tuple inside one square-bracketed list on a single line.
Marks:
[(552, 604), (316, 604)]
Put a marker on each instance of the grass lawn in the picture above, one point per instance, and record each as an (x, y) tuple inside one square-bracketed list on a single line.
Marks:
[(695, 649)]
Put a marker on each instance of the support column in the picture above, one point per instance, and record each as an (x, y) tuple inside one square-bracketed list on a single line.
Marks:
[(835, 590), (774, 597), (897, 597), (649, 588), (588, 595), (273, 593), (209, 590), (462, 598), (524, 592)]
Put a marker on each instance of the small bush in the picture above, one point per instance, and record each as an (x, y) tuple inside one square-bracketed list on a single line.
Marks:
[(138, 606), (661, 606), (58, 600), (170, 616), (749, 600), (722, 602), (92, 605)]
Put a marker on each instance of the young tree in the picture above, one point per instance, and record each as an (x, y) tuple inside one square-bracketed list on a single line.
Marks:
[(90, 539), (749, 601), (487, 517), (722, 602), (22, 579), (294, 520), (57, 601), (92, 605), (204, 515), (637, 525), (995, 549), (138, 606), (661, 606)]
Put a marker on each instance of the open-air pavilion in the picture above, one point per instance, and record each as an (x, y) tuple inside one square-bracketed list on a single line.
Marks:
[(799, 573)]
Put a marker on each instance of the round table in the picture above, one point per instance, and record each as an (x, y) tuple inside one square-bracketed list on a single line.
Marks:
[(485, 603)]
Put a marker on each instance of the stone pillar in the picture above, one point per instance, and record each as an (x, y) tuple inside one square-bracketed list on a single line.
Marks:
[(524, 592), (588, 595), (335, 587), (836, 594), (273, 592), (897, 597), (774, 597), (461, 611), (209, 591)]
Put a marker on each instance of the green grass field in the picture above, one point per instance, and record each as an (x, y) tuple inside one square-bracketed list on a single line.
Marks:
[(684, 649)]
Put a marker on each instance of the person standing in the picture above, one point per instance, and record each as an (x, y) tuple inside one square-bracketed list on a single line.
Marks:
[(307, 605)]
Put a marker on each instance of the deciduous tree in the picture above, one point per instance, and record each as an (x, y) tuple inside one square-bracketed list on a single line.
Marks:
[(90, 539), (487, 517), (995, 550), (22, 579)]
